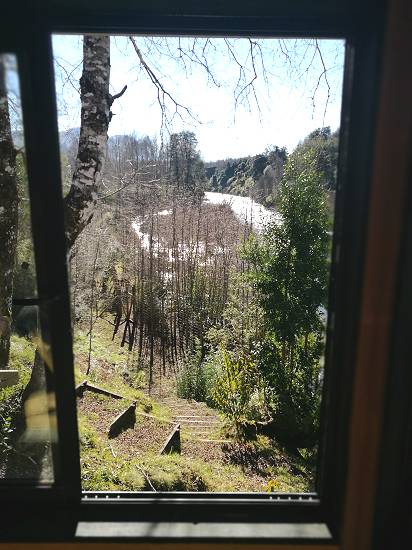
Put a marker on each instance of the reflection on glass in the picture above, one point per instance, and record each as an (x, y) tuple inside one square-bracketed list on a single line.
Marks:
[(27, 421), (199, 255)]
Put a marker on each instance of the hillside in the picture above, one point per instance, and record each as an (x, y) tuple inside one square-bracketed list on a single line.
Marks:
[(211, 458)]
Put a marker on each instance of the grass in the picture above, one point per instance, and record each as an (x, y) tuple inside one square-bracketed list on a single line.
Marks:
[(110, 363), (103, 471), (22, 352), (104, 468)]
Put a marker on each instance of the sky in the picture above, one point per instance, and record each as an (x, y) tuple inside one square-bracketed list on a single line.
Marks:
[(289, 99)]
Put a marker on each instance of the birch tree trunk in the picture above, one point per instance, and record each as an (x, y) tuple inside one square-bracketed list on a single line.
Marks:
[(95, 118), (8, 219)]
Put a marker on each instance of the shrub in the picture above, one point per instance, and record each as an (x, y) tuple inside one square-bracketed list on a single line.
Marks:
[(234, 390)]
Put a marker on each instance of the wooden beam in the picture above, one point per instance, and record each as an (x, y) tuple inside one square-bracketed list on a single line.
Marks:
[(80, 388), (172, 444), (126, 419), (102, 391)]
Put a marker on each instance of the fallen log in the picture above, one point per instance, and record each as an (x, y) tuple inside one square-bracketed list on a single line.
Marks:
[(125, 420), (172, 444)]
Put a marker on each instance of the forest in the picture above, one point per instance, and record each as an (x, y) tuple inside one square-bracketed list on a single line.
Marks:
[(199, 307)]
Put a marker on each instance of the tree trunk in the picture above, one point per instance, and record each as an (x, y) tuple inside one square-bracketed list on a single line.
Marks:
[(95, 118), (8, 219)]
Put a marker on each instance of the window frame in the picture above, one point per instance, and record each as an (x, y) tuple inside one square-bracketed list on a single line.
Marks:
[(361, 84)]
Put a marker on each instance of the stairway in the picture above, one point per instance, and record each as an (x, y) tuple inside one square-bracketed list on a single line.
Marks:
[(197, 420)]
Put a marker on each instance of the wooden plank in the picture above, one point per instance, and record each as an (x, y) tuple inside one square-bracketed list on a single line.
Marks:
[(102, 391), (158, 418), (125, 420), (199, 423), (172, 444), (8, 378), (214, 440), (80, 388)]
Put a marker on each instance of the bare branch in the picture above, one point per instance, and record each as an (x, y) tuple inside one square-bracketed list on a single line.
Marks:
[(162, 94), (116, 96)]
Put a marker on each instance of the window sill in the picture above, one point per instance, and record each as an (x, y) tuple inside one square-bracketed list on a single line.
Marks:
[(202, 531)]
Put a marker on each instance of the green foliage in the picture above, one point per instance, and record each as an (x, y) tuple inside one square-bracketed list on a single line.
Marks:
[(323, 145), (243, 317), (293, 276), (234, 388), (21, 359), (186, 169), (257, 176), (196, 376), (290, 272)]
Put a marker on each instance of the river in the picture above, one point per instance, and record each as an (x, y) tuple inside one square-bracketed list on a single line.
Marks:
[(246, 209)]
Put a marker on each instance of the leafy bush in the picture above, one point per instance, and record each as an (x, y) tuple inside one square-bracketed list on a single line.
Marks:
[(295, 390), (290, 272), (234, 390)]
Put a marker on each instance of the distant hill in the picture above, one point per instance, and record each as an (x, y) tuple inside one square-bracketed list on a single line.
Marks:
[(258, 176)]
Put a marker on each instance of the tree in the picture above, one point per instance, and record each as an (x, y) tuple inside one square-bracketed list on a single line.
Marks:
[(186, 168), (323, 144), (291, 275), (96, 102), (8, 218)]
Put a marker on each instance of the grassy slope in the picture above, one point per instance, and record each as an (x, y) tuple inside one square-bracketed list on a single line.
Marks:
[(21, 359), (110, 465), (116, 464)]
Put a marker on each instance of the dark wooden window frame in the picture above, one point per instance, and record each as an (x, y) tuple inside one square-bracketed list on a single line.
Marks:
[(60, 507)]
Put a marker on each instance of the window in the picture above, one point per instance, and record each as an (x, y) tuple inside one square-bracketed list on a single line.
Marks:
[(48, 235), (171, 317)]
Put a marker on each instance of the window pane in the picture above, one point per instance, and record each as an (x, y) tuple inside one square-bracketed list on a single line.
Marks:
[(199, 209), (26, 407)]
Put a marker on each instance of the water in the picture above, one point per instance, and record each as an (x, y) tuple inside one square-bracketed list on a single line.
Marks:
[(245, 208)]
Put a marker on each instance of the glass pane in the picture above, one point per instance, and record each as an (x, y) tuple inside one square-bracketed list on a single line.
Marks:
[(26, 408), (200, 205)]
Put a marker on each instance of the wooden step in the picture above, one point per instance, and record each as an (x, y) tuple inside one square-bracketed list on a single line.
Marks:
[(197, 422), (214, 440)]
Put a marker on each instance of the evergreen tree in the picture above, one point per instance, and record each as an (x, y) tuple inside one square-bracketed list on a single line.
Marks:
[(291, 276), (323, 144), (186, 169)]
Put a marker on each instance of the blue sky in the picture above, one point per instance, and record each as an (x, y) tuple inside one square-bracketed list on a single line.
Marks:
[(294, 71)]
